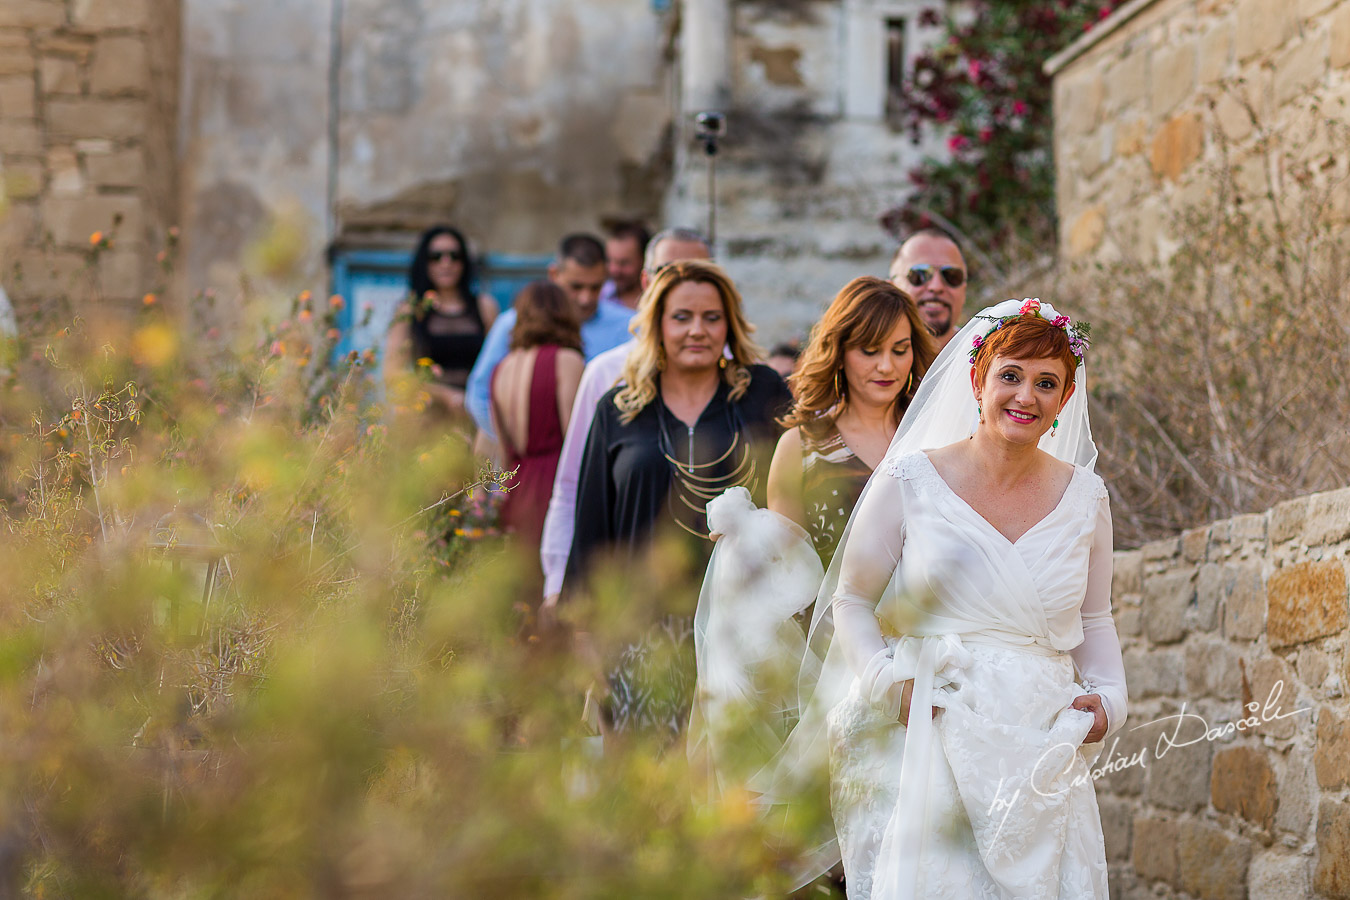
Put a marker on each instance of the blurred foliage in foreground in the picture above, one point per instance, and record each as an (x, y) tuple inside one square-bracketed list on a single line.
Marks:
[(350, 709)]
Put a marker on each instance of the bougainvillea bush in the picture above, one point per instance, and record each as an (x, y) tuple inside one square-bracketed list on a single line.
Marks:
[(985, 89)]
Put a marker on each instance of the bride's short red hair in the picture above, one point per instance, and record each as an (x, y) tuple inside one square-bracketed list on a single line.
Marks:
[(1026, 337)]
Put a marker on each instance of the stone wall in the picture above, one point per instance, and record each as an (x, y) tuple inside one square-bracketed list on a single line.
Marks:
[(1160, 92), (810, 161), (1246, 618), (88, 107)]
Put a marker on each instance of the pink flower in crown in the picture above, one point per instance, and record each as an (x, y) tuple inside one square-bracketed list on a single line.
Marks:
[(978, 342), (1031, 307), (1060, 321)]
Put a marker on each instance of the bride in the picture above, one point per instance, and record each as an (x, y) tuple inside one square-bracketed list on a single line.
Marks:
[(960, 679)]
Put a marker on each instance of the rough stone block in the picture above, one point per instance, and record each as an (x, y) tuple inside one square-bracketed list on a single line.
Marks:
[(1213, 863), (64, 170), (1118, 777), (89, 118), (119, 66), (65, 43), (20, 137), (1085, 232), (16, 59), (1212, 670), (1116, 820), (1243, 784), (1155, 850), (1194, 543), (17, 97), (100, 15), (1275, 876), (1313, 667), (1339, 27), (1332, 877), (1263, 25), (1127, 573), (59, 75), (21, 181), (1166, 598), (1082, 103), (1328, 518), (1216, 52), (1180, 779), (1127, 80), (1129, 619), (123, 168), (1173, 69), (1165, 548), (1306, 601), (1251, 527), (1298, 793), (121, 275), (1287, 518), (1153, 672), (49, 273), (1301, 65), (72, 220), (1176, 145), (1210, 585), (1270, 684), (1331, 759), (32, 14), (1131, 137)]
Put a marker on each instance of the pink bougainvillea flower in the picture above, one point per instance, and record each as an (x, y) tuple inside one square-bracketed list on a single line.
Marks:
[(1019, 108), (973, 67), (986, 134), (1031, 307), (957, 142)]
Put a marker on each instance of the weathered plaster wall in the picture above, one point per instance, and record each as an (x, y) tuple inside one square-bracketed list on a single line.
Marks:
[(1231, 614), (519, 120), (810, 162), (88, 98), (1149, 103)]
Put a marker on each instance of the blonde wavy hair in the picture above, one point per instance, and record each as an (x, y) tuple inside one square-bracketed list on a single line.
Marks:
[(644, 364), (862, 314)]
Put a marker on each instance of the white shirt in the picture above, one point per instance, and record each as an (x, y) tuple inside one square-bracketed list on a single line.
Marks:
[(601, 374)]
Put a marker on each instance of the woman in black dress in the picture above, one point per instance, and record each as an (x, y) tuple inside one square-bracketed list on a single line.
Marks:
[(696, 414), (444, 321)]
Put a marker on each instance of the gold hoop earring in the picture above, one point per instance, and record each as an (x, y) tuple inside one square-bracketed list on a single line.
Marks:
[(910, 382), (722, 362), (839, 384)]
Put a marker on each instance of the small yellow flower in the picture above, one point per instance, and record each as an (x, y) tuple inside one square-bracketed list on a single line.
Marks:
[(148, 300), (425, 362), (96, 238)]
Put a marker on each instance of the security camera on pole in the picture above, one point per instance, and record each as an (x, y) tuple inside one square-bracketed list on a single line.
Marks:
[(709, 128)]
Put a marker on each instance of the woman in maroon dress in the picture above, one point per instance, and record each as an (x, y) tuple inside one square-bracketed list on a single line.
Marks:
[(532, 392)]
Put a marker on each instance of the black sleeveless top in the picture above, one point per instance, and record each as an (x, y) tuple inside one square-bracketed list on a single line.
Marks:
[(450, 340)]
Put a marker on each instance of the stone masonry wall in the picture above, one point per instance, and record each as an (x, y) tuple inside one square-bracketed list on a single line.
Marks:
[(1243, 619), (1157, 93), (88, 108)]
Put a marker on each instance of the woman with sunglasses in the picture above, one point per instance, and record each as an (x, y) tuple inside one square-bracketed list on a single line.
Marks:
[(853, 383), (444, 321)]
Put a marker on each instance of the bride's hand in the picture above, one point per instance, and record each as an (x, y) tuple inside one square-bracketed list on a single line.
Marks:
[(1093, 704), (906, 689)]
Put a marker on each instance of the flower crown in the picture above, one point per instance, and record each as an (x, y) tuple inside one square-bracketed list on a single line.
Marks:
[(1079, 332)]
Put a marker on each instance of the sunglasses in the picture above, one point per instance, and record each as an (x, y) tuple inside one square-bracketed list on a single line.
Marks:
[(452, 255), (954, 276)]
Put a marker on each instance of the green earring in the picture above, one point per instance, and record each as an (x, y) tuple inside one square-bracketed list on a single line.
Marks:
[(1053, 426)]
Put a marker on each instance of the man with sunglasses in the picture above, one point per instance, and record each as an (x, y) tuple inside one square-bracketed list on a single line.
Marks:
[(930, 268)]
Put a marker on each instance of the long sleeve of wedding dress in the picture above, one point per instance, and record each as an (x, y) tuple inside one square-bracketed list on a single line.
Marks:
[(1098, 658), (870, 557)]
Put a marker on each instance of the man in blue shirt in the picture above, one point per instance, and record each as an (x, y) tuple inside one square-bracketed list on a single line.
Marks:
[(580, 271)]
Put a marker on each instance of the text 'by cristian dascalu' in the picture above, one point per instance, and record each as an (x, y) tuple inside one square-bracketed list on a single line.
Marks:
[(1182, 729)]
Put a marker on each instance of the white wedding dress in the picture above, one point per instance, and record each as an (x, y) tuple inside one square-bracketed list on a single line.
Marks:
[(990, 797)]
